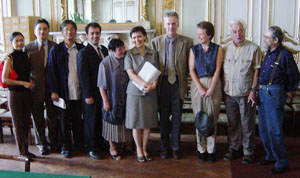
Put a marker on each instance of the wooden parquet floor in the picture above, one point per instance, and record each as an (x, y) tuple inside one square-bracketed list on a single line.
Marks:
[(81, 164)]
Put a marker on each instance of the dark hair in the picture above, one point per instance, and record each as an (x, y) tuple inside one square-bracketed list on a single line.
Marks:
[(66, 22), (114, 44), (208, 27), (138, 29), (277, 33), (14, 34), (38, 21), (93, 24)]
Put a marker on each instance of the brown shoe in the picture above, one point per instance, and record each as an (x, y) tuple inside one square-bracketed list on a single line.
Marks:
[(164, 155), (176, 155)]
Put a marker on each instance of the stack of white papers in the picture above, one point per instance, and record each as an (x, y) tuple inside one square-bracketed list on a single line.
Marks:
[(60, 103), (148, 73)]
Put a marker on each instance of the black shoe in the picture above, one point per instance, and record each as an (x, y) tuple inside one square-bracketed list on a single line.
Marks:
[(30, 155), (265, 162), (248, 159), (44, 151), (275, 170), (211, 157), (164, 155), (231, 155), (202, 157), (176, 155), (94, 155), (66, 153)]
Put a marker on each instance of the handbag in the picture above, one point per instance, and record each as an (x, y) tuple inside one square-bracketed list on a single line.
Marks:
[(204, 124), (12, 74)]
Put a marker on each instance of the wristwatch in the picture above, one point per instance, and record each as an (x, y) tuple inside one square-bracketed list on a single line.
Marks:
[(253, 90)]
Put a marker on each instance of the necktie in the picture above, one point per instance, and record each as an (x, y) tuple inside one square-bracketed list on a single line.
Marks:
[(99, 52), (171, 65), (42, 53)]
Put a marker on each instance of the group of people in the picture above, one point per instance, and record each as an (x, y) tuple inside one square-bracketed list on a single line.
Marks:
[(99, 83)]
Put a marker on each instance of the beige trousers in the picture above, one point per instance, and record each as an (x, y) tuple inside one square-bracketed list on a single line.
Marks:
[(211, 106)]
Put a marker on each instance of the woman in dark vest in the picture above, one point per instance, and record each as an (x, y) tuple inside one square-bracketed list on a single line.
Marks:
[(205, 63), (19, 92)]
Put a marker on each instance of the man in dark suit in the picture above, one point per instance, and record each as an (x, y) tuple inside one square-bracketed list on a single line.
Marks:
[(63, 83), (173, 52), (38, 56), (88, 61)]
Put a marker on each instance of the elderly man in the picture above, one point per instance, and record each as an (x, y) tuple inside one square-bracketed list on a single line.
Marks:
[(38, 56), (173, 56), (242, 61), (278, 74)]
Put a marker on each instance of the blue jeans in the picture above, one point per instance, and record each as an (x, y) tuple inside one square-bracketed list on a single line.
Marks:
[(271, 116)]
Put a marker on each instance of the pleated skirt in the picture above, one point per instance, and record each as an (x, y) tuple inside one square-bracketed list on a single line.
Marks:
[(116, 133)]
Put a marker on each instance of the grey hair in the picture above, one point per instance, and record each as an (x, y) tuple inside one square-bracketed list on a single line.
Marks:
[(171, 14), (237, 22), (277, 33)]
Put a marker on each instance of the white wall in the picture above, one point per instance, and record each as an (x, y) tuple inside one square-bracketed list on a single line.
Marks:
[(22, 8), (193, 12)]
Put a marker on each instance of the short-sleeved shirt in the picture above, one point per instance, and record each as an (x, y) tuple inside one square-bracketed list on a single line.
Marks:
[(205, 62), (134, 60), (286, 74), (240, 63)]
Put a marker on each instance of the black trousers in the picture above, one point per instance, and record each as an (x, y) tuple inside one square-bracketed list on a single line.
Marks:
[(92, 118), (170, 103), (71, 121)]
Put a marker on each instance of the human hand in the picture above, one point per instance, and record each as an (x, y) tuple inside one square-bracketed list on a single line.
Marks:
[(89, 100), (106, 105), (54, 96), (209, 92), (252, 98)]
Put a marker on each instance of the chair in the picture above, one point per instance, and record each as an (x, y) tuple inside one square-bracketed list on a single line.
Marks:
[(5, 120)]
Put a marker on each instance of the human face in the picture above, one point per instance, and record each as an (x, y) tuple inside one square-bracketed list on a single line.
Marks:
[(202, 37), (18, 43), (238, 34), (171, 25), (69, 32), (269, 41), (94, 35), (119, 52), (138, 39), (41, 31)]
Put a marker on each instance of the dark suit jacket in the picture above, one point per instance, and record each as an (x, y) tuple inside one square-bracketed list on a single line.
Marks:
[(38, 71), (58, 70), (88, 62)]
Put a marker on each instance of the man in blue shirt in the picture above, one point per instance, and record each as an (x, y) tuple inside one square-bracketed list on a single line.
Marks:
[(277, 77)]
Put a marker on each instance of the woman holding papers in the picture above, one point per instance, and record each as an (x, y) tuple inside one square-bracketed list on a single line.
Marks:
[(19, 92), (205, 63), (141, 105), (112, 82)]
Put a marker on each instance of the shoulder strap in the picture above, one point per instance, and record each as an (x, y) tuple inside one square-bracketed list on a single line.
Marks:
[(276, 63)]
